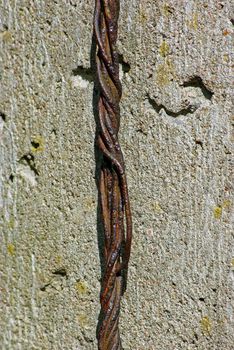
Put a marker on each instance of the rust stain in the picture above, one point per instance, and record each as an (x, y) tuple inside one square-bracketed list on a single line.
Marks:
[(226, 32)]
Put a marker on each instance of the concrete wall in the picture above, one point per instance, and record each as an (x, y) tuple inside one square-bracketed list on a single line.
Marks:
[(176, 136)]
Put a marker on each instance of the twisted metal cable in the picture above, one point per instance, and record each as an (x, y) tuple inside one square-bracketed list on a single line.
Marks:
[(115, 207)]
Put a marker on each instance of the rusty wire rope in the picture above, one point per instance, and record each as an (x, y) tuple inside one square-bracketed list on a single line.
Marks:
[(115, 207)]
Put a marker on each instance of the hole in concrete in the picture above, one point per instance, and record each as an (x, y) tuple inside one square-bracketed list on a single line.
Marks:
[(199, 142), (11, 177), (43, 288), (157, 107), (35, 144), (125, 65), (61, 272), (197, 82), (28, 159), (65, 33), (3, 116), (84, 73), (195, 338)]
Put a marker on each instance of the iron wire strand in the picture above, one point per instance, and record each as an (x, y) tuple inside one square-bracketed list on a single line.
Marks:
[(115, 206)]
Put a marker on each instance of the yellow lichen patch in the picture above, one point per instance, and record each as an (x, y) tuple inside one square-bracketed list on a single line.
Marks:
[(58, 259), (6, 36), (226, 203), (38, 144), (166, 10), (11, 223), (164, 49), (143, 17), (206, 325), (83, 320), (164, 72), (217, 212), (193, 22), (157, 208), (163, 76), (232, 263), (89, 203), (11, 249), (81, 288), (226, 58)]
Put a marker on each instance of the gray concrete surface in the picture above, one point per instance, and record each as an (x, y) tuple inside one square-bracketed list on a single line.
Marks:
[(175, 132)]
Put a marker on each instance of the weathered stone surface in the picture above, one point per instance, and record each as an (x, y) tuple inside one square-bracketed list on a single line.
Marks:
[(175, 132)]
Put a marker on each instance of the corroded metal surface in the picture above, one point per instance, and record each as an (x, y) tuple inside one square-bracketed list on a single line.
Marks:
[(115, 208)]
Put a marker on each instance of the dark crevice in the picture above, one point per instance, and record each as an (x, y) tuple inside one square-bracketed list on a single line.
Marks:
[(3, 116), (11, 177), (73, 3), (28, 159), (140, 130), (35, 144), (168, 10), (65, 33), (199, 143), (232, 21), (61, 272), (197, 82), (48, 21), (84, 73), (125, 65), (158, 107), (43, 288)]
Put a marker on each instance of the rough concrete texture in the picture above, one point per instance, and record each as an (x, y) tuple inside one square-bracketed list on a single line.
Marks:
[(176, 136)]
